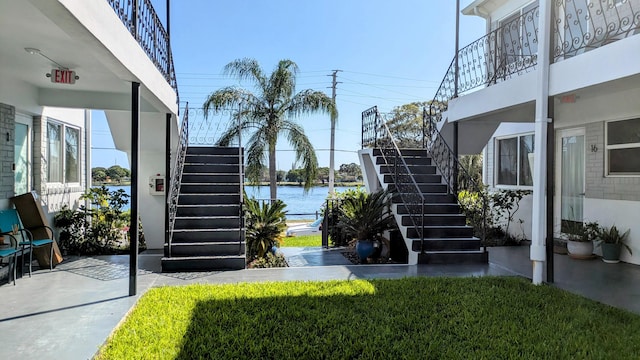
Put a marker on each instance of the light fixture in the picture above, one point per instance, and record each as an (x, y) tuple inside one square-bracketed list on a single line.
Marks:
[(34, 51)]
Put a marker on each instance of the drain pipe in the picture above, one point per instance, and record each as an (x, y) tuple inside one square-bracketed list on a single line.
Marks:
[(542, 121)]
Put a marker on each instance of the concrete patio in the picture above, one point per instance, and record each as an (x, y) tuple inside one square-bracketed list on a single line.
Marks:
[(68, 313)]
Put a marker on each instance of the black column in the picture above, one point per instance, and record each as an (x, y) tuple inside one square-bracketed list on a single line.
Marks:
[(551, 141), (135, 154), (167, 180)]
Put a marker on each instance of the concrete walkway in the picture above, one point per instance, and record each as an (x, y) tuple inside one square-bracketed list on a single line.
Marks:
[(68, 313)]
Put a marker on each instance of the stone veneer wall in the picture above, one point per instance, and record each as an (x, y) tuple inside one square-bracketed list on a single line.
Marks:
[(597, 185), (7, 148)]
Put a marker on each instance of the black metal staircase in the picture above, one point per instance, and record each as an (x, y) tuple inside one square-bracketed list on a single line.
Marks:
[(208, 229), (424, 198)]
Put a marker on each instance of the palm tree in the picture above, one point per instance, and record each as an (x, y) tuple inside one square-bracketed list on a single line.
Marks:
[(269, 113)]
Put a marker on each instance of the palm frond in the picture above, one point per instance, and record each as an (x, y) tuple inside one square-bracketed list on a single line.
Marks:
[(222, 99), (305, 153), (309, 102), (246, 69), (256, 158)]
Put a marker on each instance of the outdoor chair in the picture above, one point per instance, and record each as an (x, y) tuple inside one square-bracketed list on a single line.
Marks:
[(9, 251), (10, 222), (40, 239)]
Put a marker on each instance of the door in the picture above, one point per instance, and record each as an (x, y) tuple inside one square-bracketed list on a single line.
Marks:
[(21, 159), (570, 179)]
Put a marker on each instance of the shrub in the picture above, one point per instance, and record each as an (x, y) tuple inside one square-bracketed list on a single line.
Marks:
[(337, 237), (270, 260), (100, 229), (265, 222)]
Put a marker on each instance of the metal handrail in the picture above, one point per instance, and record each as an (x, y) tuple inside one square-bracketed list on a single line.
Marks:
[(403, 180), (176, 173), (145, 26), (449, 166)]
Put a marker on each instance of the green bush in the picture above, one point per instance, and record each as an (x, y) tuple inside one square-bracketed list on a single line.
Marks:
[(270, 260), (337, 237), (101, 229), (265, 222)]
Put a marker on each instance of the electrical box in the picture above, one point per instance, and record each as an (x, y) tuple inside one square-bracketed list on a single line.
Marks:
[(156, 185)]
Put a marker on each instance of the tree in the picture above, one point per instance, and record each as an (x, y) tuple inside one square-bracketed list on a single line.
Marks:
[(268, 114), (280, 174), (472, 165), (295, 175), (405, 123), (351, 169), (116, 172), (323, 174), (99, 174)]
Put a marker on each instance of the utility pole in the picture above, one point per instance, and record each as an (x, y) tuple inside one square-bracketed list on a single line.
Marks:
[(334, 76)]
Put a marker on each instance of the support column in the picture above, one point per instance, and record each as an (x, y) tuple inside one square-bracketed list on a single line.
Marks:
[(542, 124), (167, 179), (135, 160), (550, 191)]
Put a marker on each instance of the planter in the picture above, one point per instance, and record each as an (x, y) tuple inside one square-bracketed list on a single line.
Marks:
[(610, 253), (580, 249), (364, 249)]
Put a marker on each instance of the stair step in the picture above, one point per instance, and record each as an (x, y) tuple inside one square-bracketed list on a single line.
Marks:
[(414, 169), (418, 178), (203, 263), (208, 210), (410, 161), (205, 188), (429, 208), (428, 198), (208, 199), (231, 178), (446, 244), (442, 232), (206, 235), (453, 257), (436, 220), (424, 188), (209, 168), (207, 222), (223, 248), (213, 150)]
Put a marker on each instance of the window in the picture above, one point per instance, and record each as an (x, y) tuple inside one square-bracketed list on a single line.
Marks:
[(63, 165), (623, 147), (514, 165)]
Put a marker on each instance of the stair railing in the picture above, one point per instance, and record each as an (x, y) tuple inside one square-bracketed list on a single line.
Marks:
[(452, 172), (176, 173), (376, 134)]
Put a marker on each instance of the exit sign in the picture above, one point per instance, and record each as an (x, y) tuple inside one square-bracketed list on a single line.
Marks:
[(63, 76)]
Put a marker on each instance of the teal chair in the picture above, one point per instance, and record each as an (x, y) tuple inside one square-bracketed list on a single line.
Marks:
[(9, 221), (9, 251)]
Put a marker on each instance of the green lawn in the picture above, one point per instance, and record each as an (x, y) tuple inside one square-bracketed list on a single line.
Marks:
[(302, 241), (413, 318)]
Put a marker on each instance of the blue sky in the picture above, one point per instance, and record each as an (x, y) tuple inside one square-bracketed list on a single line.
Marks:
[(390, 53)]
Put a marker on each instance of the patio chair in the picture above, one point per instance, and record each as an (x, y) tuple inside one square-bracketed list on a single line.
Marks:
[(40, 239), (11, 252)]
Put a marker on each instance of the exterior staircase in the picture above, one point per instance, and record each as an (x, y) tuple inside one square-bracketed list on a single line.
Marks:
[(208, 233), (447, 238)]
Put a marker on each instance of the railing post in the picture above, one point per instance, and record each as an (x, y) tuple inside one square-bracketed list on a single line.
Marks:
[(134, 18)]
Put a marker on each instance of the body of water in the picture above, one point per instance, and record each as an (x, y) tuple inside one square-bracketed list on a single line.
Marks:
[(299, 204)]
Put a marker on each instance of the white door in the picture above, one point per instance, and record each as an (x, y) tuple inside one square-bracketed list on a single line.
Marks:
[(570, 179)]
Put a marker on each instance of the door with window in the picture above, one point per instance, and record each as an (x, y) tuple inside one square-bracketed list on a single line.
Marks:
[(570, 179), (21, 159)]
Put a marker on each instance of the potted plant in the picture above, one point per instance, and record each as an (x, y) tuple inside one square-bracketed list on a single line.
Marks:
[(364, 217), (611, 241), (580, 237)]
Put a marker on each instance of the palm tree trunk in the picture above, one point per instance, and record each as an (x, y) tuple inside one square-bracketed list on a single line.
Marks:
[(272, 173)]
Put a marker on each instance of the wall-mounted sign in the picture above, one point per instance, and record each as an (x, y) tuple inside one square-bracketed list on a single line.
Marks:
[(63, 76)]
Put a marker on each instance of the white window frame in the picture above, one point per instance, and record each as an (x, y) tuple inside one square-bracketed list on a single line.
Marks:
[(608, 147), (496, 161), (63, 153)]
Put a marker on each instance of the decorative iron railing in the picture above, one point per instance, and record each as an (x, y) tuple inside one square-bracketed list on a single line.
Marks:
[(583, 25), (144, 24), (453, 173), (379, 136), (176, 173)]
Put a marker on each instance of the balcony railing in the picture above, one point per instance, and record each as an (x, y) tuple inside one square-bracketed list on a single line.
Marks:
[(583, 25), (145, 26)]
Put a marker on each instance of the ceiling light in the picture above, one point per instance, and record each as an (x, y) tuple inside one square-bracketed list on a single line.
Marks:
[(32, 51)]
